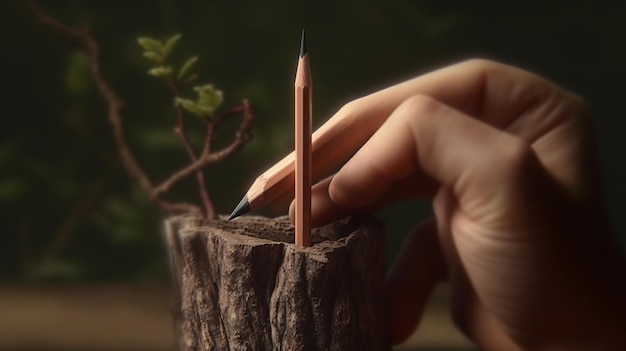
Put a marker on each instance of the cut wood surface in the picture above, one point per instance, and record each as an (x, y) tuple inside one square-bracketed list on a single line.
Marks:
[(244, 285)]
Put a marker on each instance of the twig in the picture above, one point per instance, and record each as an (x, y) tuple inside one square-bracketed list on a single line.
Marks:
[(114, 103), (180, 129), (242, 137), (213, 125), (115, 107)]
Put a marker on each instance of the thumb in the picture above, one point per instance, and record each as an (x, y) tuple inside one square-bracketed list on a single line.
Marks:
[(418, 268)]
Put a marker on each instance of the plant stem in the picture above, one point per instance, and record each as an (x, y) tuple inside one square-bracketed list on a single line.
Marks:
[(180, 129), (242, 137), (115, 107)]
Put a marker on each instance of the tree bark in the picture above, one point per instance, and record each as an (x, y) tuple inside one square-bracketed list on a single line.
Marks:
[(244, 285)]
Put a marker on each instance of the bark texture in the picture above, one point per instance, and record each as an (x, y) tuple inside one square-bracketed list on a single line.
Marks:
[(243, 285)]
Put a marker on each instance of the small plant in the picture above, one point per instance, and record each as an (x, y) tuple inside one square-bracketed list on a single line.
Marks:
[(207, 102), (205, 106)]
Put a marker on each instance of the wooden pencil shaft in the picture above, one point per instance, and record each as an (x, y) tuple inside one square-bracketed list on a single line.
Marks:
[(303, 164), (348, 129), (331, 144)]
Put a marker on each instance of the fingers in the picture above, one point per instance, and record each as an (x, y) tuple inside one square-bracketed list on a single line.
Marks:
[(510, 150), (467, 310), (462, 294), (495, 93), (424, 136), (542, 117), (324, 210), (418, 268)]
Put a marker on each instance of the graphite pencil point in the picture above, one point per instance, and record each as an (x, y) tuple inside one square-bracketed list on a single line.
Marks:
[(242, 208), (303, 50)]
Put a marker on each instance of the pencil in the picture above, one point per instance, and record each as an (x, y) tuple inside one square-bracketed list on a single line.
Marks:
[(331, 144), (352, 126), (333, 137), (303, 110)]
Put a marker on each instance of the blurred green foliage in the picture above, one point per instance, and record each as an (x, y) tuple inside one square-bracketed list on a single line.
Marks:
[(70, 212), (209, 98)]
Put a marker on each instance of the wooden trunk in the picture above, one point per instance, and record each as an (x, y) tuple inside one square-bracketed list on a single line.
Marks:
[(244, 285)]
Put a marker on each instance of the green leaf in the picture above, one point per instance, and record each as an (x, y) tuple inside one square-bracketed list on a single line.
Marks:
[(193, 107), (187, 66), (209, 97), (153, 56), (170, 44), (161, 71), (151, 45)]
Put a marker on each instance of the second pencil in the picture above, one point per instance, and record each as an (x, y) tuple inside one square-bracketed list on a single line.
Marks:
[(303, 111)]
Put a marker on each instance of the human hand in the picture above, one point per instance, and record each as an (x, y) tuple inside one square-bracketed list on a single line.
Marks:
[(520, 232)]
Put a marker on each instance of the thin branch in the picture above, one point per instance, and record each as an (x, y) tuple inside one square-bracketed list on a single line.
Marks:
[(180, 129), (43, 18), (115, 107), (217, 121), (114, 103), (241, 138)]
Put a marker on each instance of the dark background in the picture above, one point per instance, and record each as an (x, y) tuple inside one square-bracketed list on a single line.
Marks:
[(69, 211)]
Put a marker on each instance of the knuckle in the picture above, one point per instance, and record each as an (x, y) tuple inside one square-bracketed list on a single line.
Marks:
[(420, 105), (351, 107), (514, 157), (416, 111)]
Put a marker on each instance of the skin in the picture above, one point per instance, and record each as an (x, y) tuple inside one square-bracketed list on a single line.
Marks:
[(520, 233)]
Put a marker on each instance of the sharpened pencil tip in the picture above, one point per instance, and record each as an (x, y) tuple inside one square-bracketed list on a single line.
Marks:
[(303, 50), (242, 208)]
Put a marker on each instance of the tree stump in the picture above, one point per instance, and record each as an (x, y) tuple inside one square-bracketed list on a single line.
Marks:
[(244, 285)]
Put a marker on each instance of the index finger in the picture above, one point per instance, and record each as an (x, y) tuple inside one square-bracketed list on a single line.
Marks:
[(474, 87)]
